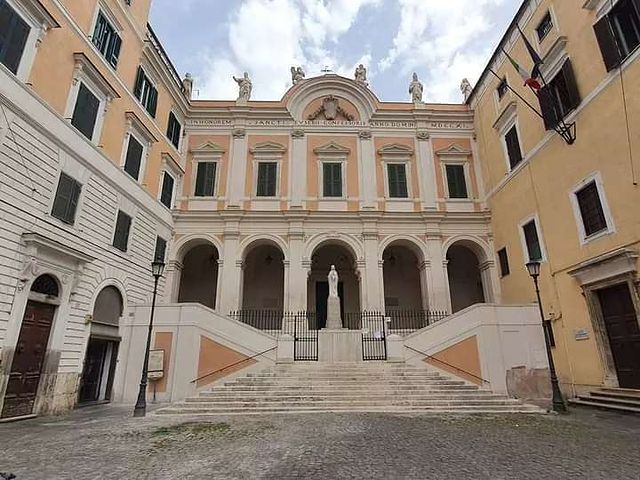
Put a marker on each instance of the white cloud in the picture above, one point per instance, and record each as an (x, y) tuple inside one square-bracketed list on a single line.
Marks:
[(266, 37)]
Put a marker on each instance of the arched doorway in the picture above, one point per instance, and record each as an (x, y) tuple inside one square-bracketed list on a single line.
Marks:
[(199, 277), (263, 278), (318, 286), (102, 348), (31, 348), (465, 278), (403, 289)]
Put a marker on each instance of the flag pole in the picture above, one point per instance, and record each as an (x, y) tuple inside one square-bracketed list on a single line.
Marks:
[(518, 95)]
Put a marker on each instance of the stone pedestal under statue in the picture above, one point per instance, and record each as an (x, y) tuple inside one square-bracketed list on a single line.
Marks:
[(342, 345), (334, 320)]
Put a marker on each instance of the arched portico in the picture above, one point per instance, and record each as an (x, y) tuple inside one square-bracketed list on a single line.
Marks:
[(468, 273), (404, 280), (198, 264), (263, 276)]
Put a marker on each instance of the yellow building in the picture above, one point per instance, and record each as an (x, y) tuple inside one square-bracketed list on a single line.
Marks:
[(573, 207)]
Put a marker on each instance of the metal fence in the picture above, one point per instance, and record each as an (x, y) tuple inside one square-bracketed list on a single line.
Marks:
[(405, 322)]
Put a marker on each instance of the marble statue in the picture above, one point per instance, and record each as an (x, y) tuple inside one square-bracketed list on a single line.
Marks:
[(187, 86), (361, 74), (244, 87), (333, 282), (466, 89), (297, 74), (415, 89)]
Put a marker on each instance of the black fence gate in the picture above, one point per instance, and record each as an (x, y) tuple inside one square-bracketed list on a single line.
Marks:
[(305, 335), (374, 337)]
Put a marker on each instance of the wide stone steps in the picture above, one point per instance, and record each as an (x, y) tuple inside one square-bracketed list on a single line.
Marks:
[(620, 399)]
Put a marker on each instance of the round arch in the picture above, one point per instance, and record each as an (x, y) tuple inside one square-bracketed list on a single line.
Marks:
[(182, 245), (110, 282), (412, 242), (475, 244), (347, 241), (469, 280), (254, 241)]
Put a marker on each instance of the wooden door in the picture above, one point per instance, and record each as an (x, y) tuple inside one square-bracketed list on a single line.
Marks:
[(623, 330), (28, 360)]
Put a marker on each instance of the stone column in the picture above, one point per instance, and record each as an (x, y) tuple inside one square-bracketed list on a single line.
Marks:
[(490, 282), (425, 283), (439, 287), (298, 169), (230, 276), (172, 283), (237, 176), (426, 172), (373, 293), (367, 170), (297, 298)]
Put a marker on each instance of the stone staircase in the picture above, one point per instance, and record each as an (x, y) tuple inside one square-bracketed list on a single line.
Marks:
[(355, 387), (620, 399)]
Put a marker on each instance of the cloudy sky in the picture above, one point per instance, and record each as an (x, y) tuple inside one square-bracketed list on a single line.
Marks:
[(442, 40)]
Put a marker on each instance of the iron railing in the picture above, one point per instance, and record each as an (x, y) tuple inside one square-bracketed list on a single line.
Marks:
[(268, 321), (405, 322)]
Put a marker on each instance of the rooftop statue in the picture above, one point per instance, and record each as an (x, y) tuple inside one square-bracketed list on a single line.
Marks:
[(244, 87), (297, 74), (187, 86), (361, 75), (466, 89), (415, 89)]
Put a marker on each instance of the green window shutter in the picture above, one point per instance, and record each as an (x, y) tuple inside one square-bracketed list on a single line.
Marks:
[(167, 190), (332, 179), (137, 89), (173, 130), (397, 176), (85, 112), (65, 202), (161, 249), (121, 235), (205, 179), (456, 181), (114, 50), (134, 158), (267, 179), (152, 103), (533, 242)]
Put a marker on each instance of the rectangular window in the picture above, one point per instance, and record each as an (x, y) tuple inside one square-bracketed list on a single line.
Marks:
[(13, 37), (591, 210), (502, 89), (618, 32), (65, 202), (456, 181), (532, 241), (133, 160), (504, 262), (173, 130), (161, 249), (331, 179), (146, 92), (166, 195), (85, 113), (267, 179), (106, 40), (205, 179), (397, 176), (559, 97), (544, 27), (513, 147), (121, 235)]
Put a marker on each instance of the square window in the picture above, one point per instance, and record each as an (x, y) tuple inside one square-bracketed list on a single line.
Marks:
[(397, 177), (85, 112), (205, 179), (456, 181), (14, 32), (121, 235), (133, 161), (146, 92), (161, 249), (267, 179), (503, 258), (107, 40), (502, 89), (173, 130), (591, 210), (513, 147), (166, 194), (332, 179), (544, 27), (532, 241), (65, 202)]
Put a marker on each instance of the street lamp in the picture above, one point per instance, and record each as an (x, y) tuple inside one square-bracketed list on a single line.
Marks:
[(558, 403), (140, 410)]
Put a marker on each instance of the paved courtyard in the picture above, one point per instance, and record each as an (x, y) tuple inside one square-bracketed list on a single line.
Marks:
[(106, 443)]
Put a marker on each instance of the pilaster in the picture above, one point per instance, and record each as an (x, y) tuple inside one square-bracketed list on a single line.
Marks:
[(238, 168), (298, 171), (373, 295), (426, 172), (367, 170)]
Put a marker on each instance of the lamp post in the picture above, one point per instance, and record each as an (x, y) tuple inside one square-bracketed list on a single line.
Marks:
[(140, 410), (558, 403)]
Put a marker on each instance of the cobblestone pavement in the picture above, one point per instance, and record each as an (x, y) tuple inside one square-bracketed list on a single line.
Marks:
[(106, 443)]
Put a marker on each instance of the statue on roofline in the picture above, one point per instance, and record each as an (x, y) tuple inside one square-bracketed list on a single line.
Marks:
[(244, 87)]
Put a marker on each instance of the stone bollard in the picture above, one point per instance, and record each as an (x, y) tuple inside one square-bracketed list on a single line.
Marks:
[(284, 353), (395, 349)]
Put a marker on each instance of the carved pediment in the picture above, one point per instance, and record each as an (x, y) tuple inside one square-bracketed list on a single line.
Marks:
[(454, 150), (395, 149), (269, 148), (208, 148), (331, 110), (331, 148)]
